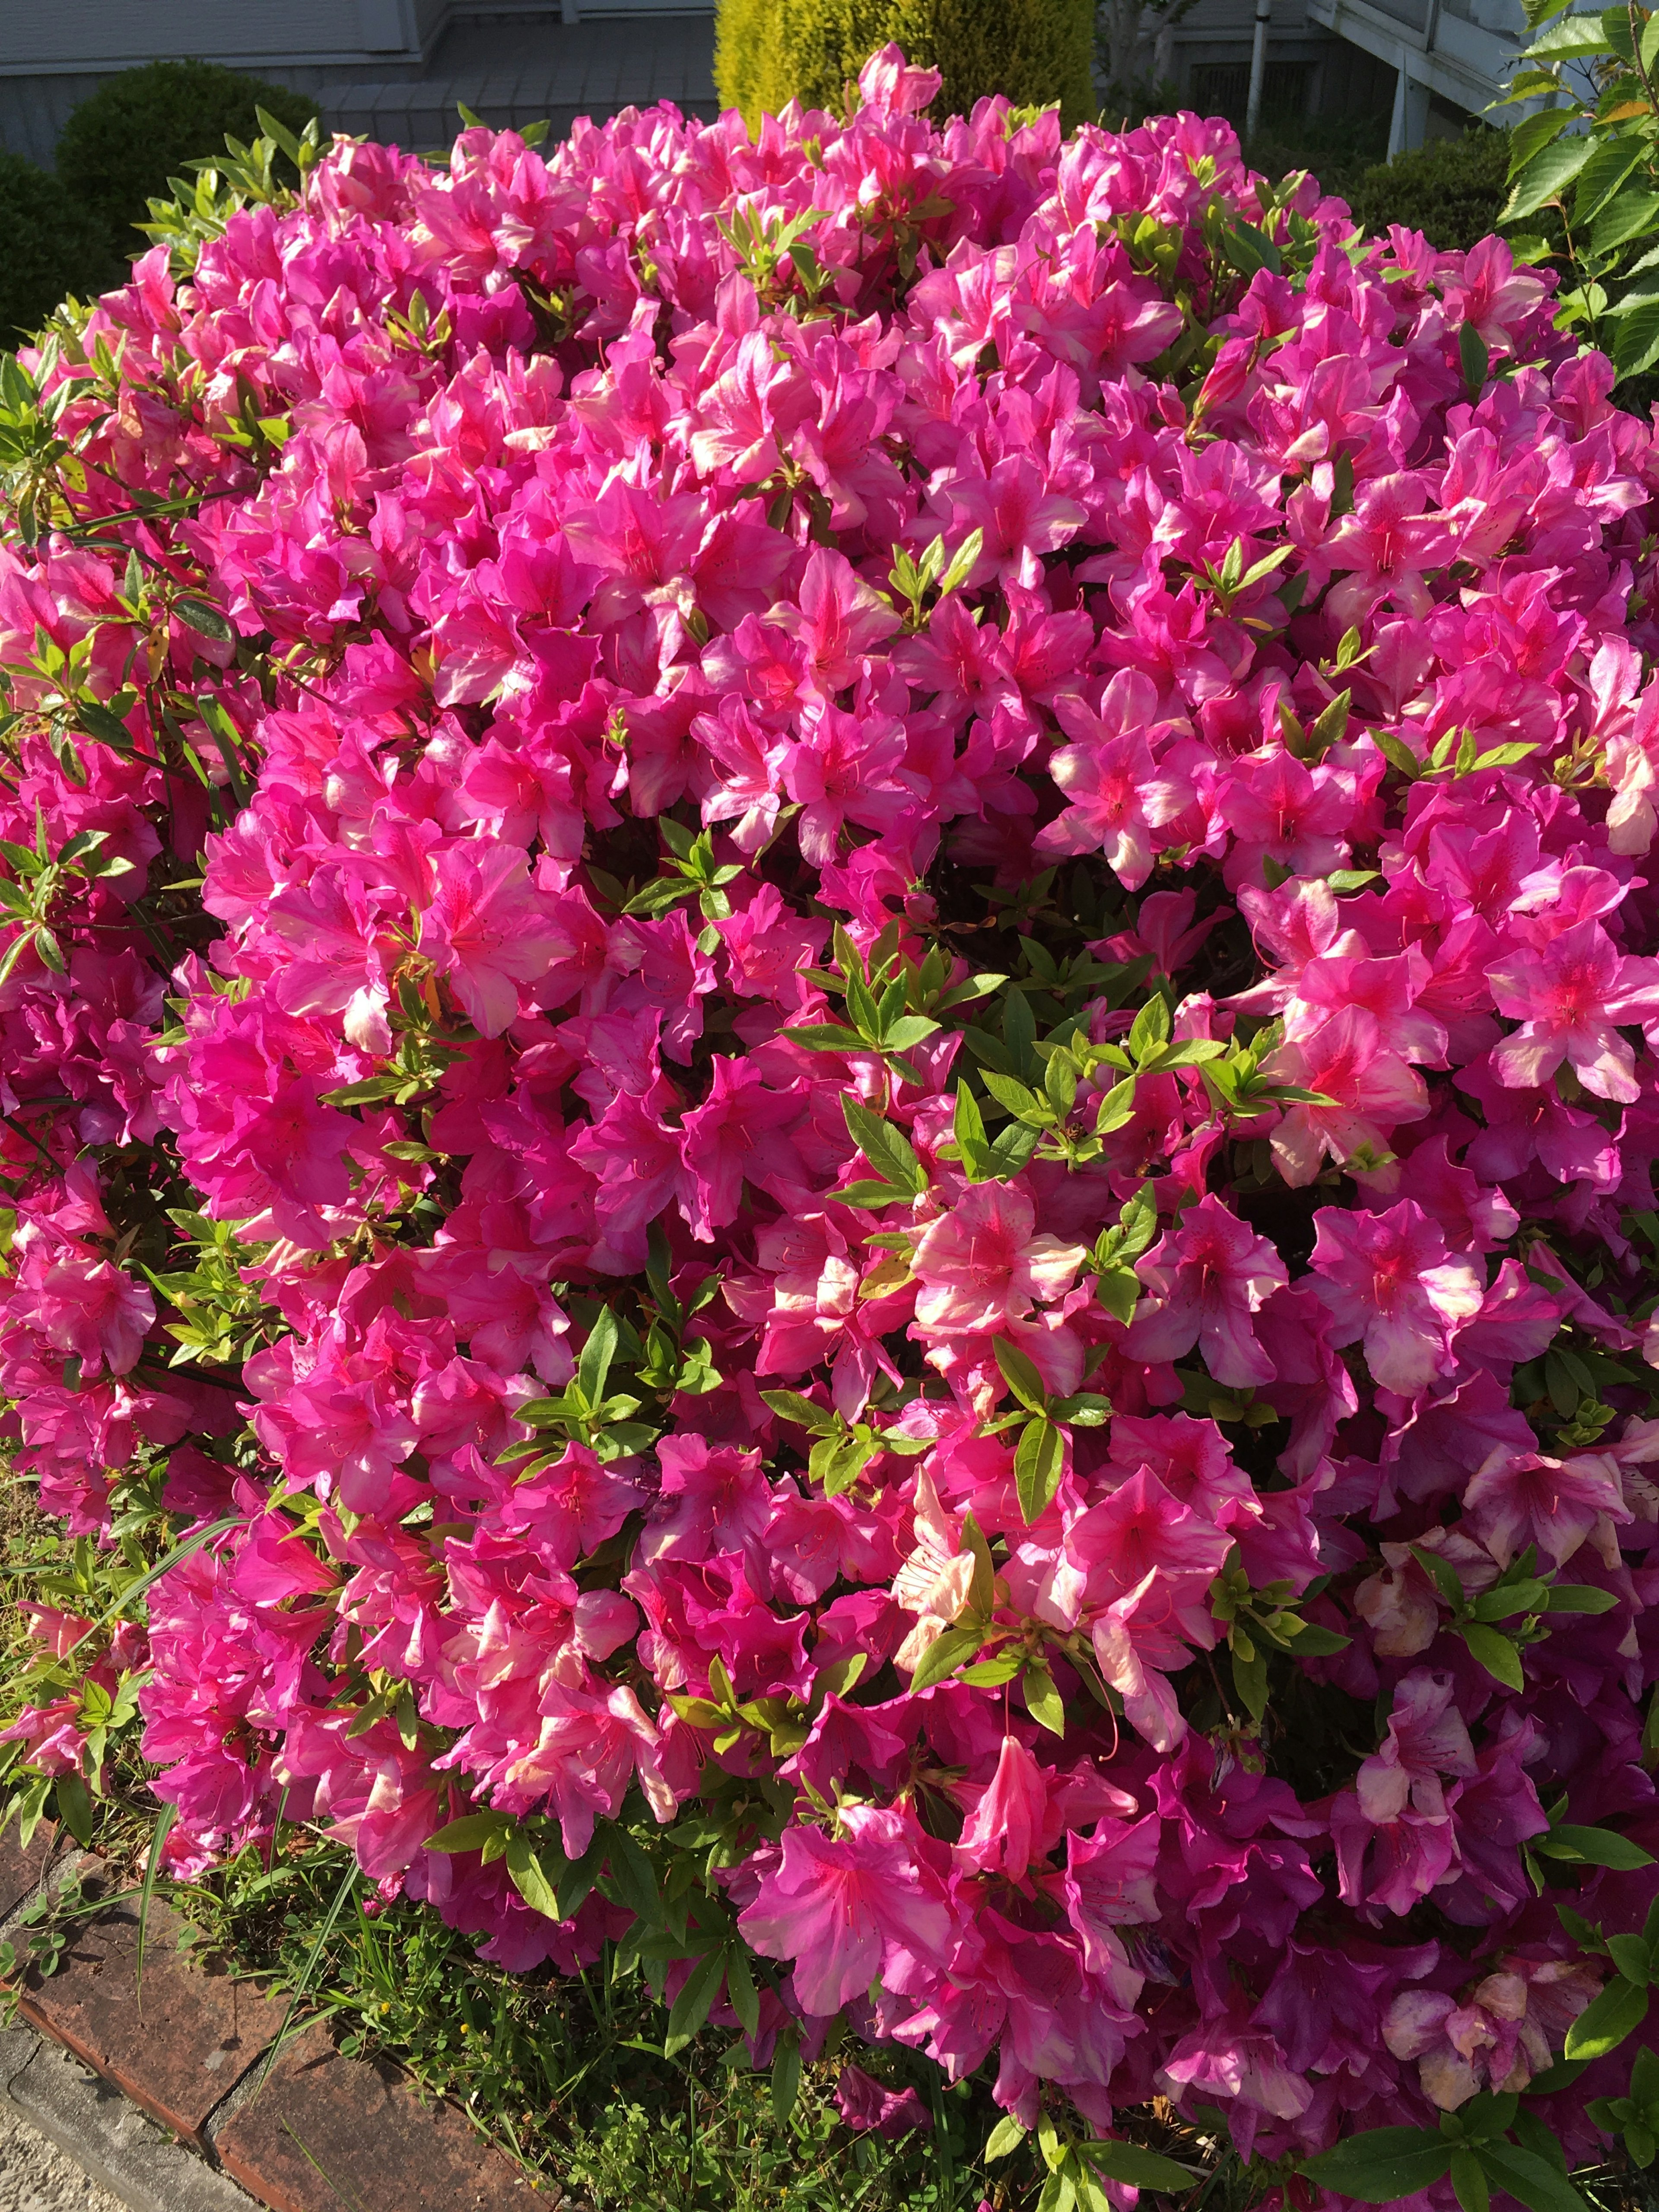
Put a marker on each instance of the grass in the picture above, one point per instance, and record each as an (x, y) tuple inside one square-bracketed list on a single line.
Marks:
[(569, 2076)]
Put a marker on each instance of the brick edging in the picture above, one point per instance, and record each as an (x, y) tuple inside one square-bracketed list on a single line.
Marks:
[(187, 2046)]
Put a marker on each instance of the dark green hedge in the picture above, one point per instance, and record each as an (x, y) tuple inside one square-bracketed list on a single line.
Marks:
[(1451, 191), (51, 247), (767, 52), (119, 147)]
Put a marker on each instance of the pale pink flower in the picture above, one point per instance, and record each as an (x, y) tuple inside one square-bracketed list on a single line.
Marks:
[(981, 1266)]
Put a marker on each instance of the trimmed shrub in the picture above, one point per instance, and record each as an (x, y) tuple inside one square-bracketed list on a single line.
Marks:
[(769, 51), (53, 247), (1450, 190), (119, 147)]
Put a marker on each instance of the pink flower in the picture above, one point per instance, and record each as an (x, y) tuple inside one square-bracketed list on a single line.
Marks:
[(488, 931), (1568, 997), (1003, 1832), (980, 1266), (84, 1308), (1520, 1498), (1205, 1278), (1348, 1059), (1390, 1279), (713, 1499), (1498, 2036), (842, 1908), (1115, 795), (845, 768)]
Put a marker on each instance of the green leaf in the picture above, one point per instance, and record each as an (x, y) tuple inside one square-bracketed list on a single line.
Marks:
[(909, 1029), (886, 1149), (1635, 339), (1529, 2178), (1548, 174), (1561, 2076), (872, 1196), (1042, 1701), (981, 1591), (530, 1876), (785, 2075), (1140, 2168), (633, 1876), (1150, 1029), (146, 1892), (1577, 1597), (1039, 1460), (1601, 1847), (593, 1363), (740, 1990), (1606, 2020), (1474, 356), (1021, 1376), (827, 1036), (1007, 2136), (964, 562), (1496, 1653), (690, 2008), (470, 1833), (1399, 756), (1567, 40), (1615, 29), (1382, 2164), (574, 1884), (1011, 1149), (1116, 1109), (944, 1655), (1251, 1677), (1607, 169), (791, 1406), (1249, 249), (1532, 134), (308, 1972), (75, 1808), (1468, 2180), (1632, 1958), (1634, 214), (968, 1127), (205, 620), (1442, 1573)]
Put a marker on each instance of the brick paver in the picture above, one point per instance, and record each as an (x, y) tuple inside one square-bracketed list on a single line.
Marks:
[(176, 2044), (325, 2132)]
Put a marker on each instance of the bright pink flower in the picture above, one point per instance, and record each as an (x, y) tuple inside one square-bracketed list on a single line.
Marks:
[(1348, 1059), (1205, 1278), (713, 1499), (488, 930), (864, 2104), (1568, 997), (1116, 794), (84, 1308), (1003, 1834), (1390, 1279), (842, 1908)]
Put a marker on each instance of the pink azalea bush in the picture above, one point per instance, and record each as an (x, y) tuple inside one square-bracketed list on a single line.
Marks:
[(884, 1222)]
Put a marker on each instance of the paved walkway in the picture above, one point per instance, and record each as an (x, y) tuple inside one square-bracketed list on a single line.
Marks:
[(513, 71), (36, 2177)]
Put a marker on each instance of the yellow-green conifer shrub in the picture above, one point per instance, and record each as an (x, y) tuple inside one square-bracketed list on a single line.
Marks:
[(769, 51)]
